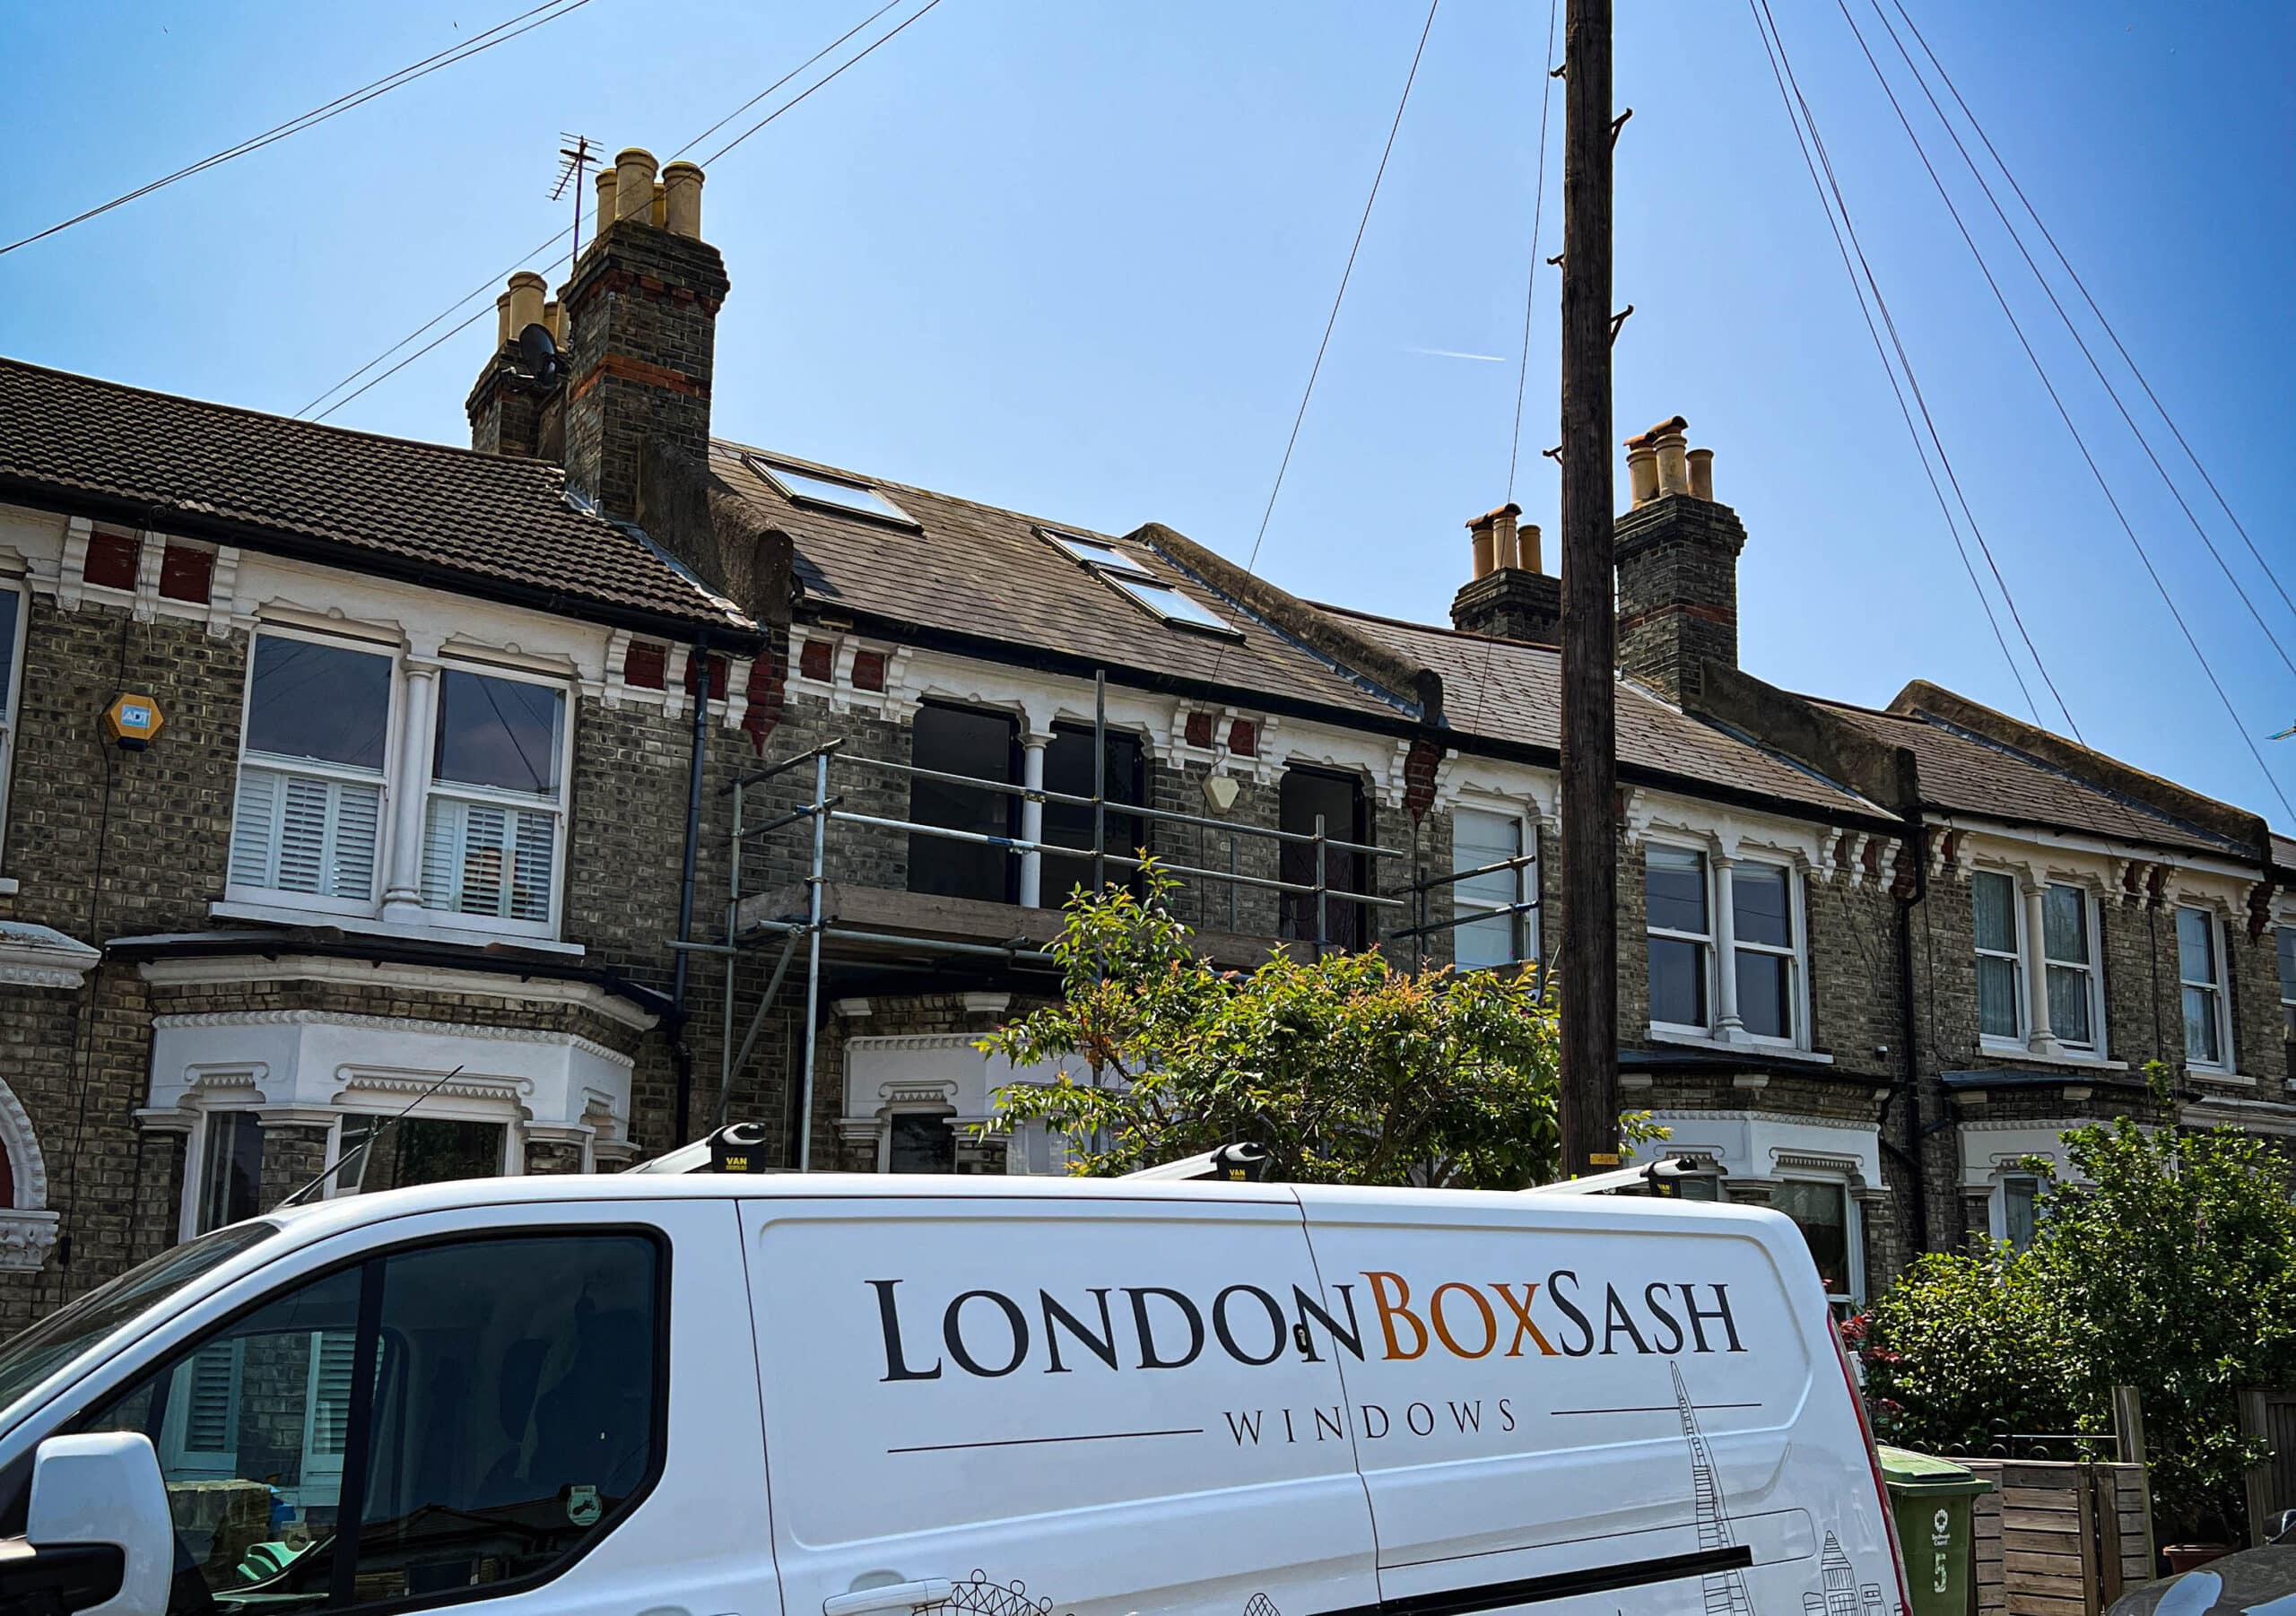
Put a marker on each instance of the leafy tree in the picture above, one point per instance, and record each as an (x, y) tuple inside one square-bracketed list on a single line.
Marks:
[(1346, 1069), (1966, 1346), (2166, 1261)]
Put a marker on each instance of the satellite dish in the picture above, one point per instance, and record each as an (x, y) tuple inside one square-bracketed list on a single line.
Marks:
[(538, 355)]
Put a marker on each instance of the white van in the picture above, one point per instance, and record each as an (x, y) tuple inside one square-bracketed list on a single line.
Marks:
[(842, 1396)]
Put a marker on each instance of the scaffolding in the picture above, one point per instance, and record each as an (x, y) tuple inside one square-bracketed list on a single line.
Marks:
[(826, 806)]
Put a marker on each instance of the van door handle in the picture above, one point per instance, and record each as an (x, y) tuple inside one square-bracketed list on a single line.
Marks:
[(893, 1596)]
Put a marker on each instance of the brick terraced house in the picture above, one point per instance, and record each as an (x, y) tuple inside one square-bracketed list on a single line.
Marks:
[(425, 803)]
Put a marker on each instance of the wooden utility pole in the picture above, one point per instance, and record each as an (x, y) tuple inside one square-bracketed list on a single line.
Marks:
[(1589, 953)]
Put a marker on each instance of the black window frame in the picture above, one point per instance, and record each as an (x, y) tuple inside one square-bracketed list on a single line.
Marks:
[(1127, 786), (927, 845), (360, 1415), (1348, 923)]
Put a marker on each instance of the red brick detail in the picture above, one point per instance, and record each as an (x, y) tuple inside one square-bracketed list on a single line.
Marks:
[(1243, 738), (817, 660), (112, 559), (717, 676), (186, 574), (645, 374), (645, 665), (2259, 911), (1199, 729), (1419, 778), (868, 670), (1698, 610), (768, 688)]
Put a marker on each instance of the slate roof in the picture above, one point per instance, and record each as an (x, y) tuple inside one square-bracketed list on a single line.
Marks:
[(1507, 691), (972, 570), (492, 525), (1963, 772)]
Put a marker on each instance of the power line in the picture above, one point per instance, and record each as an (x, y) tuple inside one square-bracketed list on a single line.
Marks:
[(462, 51), (1252, 565), (1531, 281), (2081, 286), (488, 286), (851, 62), (2079, 442), (1340, 296), (1781, 71), (2075, 332)]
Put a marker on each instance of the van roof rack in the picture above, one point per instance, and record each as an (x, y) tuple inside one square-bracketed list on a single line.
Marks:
[(1233, 1163), (1662, 1179)]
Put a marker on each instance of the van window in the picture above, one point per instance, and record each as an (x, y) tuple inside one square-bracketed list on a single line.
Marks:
[(506, 1394)]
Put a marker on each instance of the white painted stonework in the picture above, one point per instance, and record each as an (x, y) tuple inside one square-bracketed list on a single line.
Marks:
[(26, 1228), (937, 1074), (1764, 1146)]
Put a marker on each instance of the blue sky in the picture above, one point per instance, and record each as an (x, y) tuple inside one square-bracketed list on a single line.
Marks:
[(1075, 259)]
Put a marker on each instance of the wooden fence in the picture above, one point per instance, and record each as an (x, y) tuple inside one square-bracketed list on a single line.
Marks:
[(2060, 1538)]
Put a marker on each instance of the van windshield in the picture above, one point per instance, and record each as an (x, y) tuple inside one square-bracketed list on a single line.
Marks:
[(30, 1358)]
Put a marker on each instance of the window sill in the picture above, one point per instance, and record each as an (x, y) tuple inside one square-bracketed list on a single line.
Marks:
[(368, 926), (1749, 1047), (2218, 1074), (8, 886), (2010, 1050)]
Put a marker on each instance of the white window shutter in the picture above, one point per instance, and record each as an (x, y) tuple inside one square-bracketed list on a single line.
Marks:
[(532, 864), (254, 828), (331, 1361), (357, 822), (301, 833), (480, 859)]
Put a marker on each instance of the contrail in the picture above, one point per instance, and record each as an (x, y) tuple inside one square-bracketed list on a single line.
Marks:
[(1487, 358)]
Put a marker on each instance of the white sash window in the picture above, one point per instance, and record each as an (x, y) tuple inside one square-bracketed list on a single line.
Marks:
[(307, 820), (494, 824)]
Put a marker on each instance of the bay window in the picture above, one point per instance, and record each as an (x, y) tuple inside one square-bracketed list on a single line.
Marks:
[(371, 788), (493, 824), (1680, 936), (2200, 970), (1823, 1211), (1501, 934), (230, 1170), (308, 818)]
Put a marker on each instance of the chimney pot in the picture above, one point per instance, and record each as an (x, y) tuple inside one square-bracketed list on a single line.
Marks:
[(606, 217), (1527, 543), (661, 208), (1641, 470), (682, 187), (554, 319), (1701, 474), (1504, 550), (1673, 473), (527, 293), (1484, 546), (502, 320), (634, 191)]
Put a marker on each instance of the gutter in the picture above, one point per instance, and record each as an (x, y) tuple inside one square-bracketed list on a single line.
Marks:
[(346, 555)]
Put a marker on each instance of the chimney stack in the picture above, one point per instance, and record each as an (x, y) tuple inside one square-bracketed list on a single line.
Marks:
[(1677, 551), (641, 314), (1507, 596), (510, 412)]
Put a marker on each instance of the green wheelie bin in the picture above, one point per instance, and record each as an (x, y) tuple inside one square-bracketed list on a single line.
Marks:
[(1930, 1499)]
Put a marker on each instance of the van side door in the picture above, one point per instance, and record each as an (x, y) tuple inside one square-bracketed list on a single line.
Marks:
[(1042, 1405), (533, 1407)]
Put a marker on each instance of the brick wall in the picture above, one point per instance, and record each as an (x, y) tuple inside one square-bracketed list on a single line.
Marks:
[(1677, 590)]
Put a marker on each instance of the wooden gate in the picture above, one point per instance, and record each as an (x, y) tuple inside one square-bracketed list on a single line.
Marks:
[(2272, 1484), (2060, 1538)]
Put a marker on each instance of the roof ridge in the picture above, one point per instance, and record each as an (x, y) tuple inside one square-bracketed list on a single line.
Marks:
[(548, 467), (1449, 630)]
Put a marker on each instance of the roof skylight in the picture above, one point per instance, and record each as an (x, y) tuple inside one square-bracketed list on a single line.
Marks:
[(1097, 554), (811, 488), (1173, 607)]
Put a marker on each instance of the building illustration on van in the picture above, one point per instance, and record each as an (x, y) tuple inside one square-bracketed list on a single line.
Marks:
[(1724, 1592)]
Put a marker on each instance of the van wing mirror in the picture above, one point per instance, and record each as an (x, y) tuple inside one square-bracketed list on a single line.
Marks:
[(2283, 1526), (98, 1539)]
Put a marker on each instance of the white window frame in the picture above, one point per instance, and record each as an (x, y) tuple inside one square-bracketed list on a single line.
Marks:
[(1998, 1203), (560, 809), (2092, 925), (2019, 975), (1797, 954), (1527, 941), (14, 665), (1704, 941), (241, 892), (2220, 954)]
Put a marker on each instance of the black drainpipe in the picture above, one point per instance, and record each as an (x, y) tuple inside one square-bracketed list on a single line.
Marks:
[(680, 1055), (1913, 1129)]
